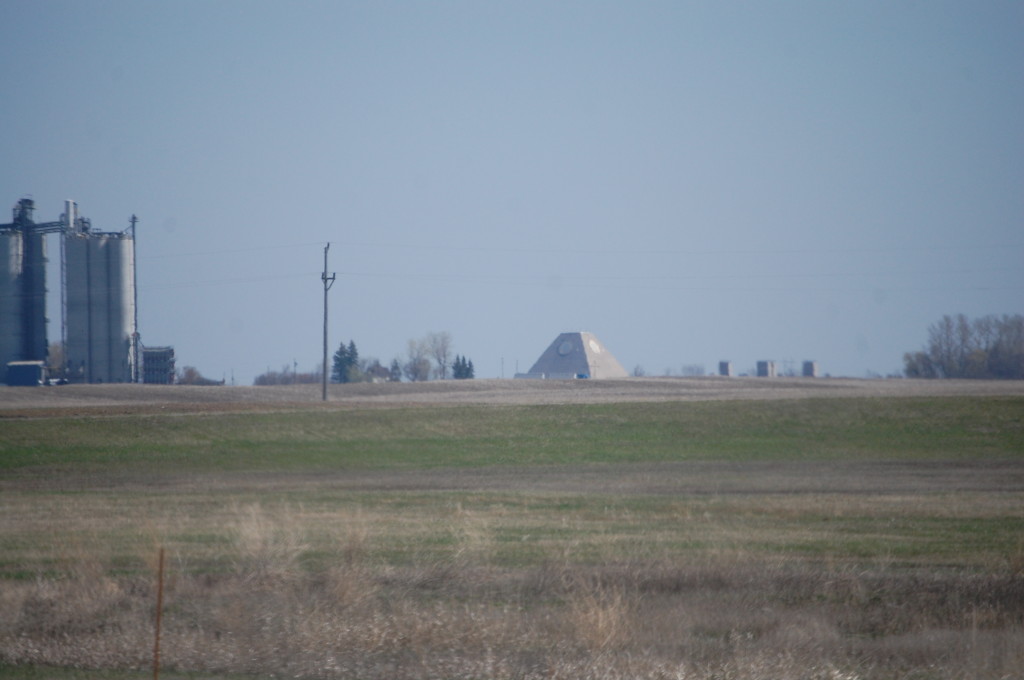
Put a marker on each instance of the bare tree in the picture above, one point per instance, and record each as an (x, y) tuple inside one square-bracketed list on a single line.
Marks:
[(417, 366), (439, 346), (989, 347), (1006, 359), (943, 347), (918, 365)]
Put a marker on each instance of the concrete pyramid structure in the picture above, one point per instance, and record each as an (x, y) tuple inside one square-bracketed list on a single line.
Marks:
[(576, 355)]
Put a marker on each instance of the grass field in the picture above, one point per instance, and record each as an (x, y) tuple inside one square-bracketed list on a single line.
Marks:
[(831, 538)]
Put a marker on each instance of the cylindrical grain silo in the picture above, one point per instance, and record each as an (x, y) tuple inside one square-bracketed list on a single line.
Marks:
[(22, 289), (11, 326), (33, 296), (100, 306)]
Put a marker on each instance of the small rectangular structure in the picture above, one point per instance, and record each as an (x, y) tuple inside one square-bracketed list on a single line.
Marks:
[(810, 369), (725, 368), (158, 365), (766, 369), (26, 373)]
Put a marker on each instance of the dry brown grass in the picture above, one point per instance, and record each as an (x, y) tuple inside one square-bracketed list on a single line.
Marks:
[(256, 604)]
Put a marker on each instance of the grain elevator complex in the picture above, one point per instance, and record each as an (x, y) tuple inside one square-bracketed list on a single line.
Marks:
[(99, 341)]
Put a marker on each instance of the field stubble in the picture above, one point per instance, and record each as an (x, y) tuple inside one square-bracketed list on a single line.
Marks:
[(891, 566), (483, 587)]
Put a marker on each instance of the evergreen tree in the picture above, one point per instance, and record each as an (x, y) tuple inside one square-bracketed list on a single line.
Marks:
[(344, 360), (353, 358), (462, 368)]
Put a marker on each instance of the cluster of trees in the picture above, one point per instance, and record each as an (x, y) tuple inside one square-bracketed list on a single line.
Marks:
[(348, 367), (345, 366), (426, 358), (462, 368), (431, 357), (988, 347)]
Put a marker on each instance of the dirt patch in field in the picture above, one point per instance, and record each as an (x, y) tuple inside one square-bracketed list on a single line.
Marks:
[(100, 400)]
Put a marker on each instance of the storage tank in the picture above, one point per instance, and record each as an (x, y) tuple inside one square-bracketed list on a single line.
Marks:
[(11, 331), (33, 297), (22, 289), (100, 302)]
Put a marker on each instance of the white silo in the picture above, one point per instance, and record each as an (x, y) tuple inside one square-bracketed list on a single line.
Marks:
[(100, 299)]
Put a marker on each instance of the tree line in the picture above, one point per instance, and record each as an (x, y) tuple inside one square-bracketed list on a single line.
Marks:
[(989, 347), (427, 358)]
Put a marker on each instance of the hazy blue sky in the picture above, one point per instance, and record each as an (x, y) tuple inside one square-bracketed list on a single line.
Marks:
[(691, 181)]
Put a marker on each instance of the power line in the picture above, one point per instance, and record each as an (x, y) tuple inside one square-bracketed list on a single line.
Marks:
[(619, 252), (622, 282), (199, 283), (626, 252)]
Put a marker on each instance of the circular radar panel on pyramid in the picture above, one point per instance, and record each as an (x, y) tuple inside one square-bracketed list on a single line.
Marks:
[(594, 346), (565, 348)]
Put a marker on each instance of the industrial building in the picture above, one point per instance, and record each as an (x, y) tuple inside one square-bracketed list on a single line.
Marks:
[(98, 307), (158, 365), (101, 343), (576, 355)]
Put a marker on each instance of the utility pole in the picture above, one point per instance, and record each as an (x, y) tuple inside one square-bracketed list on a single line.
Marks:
[(328, 282)]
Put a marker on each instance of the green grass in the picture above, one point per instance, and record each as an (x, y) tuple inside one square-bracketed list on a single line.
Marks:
[(820, 429), (503, 529), (868, 534)]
